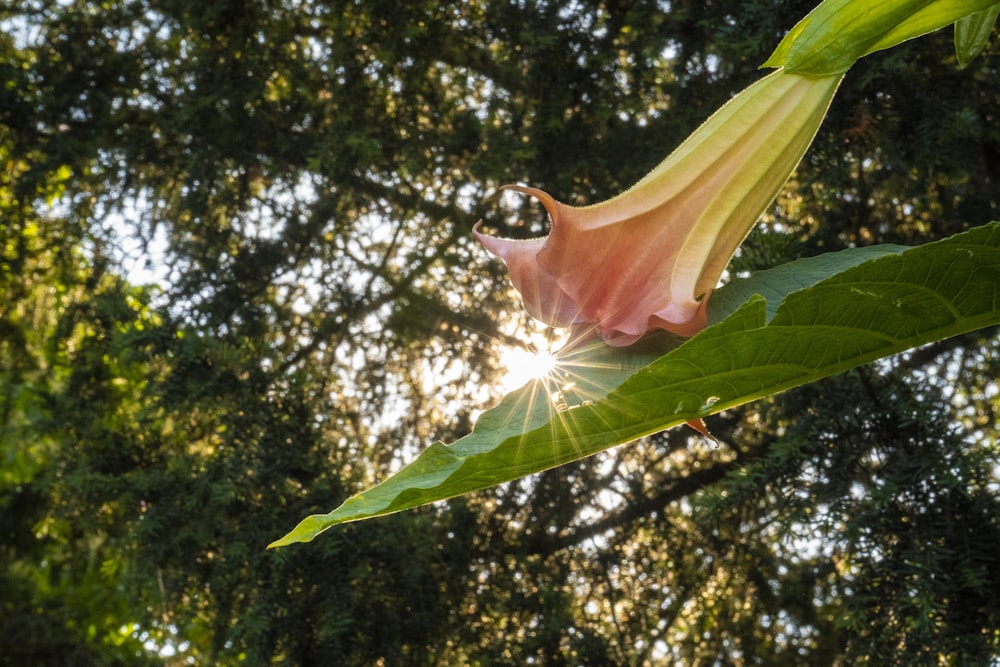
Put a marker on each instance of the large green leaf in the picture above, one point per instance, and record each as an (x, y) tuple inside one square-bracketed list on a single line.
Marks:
[(603, 396)]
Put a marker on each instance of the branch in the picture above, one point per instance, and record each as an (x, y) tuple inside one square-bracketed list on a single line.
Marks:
[(545, 545)]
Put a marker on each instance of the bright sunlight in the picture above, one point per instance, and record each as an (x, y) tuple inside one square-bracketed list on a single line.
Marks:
[(524, 365)]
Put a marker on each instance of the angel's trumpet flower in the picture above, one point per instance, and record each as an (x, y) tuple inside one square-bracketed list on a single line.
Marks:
[(650, 257)]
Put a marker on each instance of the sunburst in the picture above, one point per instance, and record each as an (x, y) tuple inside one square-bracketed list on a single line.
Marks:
[(523, 365)]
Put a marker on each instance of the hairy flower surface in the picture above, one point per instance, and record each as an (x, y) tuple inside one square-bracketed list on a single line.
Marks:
[(650, 257)]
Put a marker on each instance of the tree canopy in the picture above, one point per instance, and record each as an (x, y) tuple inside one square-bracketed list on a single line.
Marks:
[(303, 178)]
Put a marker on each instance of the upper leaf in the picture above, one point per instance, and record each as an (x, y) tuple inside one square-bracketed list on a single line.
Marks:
[(834, 35)]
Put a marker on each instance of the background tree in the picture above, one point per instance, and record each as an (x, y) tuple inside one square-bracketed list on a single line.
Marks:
[(308, 175)]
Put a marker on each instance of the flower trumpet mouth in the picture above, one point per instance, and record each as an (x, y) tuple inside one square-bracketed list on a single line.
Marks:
[(650, 257)]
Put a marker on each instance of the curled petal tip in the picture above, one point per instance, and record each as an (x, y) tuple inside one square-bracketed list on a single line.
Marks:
[(517, 187), (548, 201)]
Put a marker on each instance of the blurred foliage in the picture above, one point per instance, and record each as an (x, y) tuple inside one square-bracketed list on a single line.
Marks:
[(305, 176)]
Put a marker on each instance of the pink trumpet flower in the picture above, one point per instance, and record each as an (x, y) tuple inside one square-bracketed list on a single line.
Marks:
[(650, 257)]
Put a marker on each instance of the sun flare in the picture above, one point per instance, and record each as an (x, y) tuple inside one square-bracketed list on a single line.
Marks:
[(524, 365)]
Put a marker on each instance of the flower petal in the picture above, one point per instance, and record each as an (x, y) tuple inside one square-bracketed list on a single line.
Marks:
[(543, 298)]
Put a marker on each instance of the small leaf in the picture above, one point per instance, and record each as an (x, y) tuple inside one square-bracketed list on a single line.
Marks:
[(607, 396), (972, 33)]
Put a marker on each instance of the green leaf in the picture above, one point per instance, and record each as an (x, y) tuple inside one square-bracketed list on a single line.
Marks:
[(605, 396), (973, 32), (775, 284), (831, 38)]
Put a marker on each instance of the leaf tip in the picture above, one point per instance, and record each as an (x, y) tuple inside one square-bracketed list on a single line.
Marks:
[(306, 531)]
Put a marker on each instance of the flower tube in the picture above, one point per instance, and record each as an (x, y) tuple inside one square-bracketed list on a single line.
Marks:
[(649, 258)]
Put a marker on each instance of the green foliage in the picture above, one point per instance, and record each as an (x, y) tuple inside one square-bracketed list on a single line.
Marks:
[(907, 500), (60, 606)]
